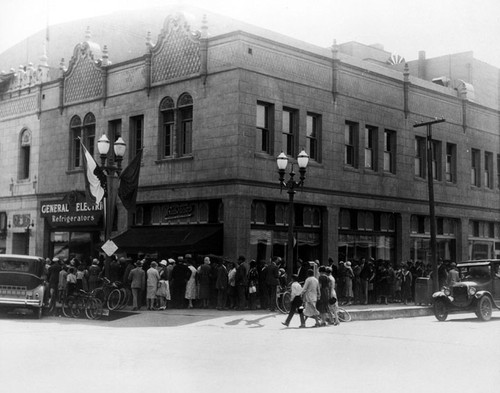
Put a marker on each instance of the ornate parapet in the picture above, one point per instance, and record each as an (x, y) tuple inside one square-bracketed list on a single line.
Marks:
[(177, 52)]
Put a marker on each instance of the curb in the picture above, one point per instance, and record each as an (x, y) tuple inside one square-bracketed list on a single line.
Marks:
[(389, 313)]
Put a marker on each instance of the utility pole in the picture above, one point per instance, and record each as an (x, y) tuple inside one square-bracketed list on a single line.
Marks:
[(430, 186)]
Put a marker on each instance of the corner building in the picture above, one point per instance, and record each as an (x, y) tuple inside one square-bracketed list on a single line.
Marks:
[(212, 109)]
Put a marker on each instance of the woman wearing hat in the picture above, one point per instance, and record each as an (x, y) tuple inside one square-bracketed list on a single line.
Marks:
[(349, 275)]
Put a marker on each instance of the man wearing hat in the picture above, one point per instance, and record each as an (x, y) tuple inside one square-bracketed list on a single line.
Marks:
[(137, 278), (296, 302)]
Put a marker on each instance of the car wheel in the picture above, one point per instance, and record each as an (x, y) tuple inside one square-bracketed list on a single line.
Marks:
[(440, 310), (484, 308)]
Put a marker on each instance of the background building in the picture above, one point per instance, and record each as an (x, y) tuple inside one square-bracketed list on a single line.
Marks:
[(213, 108)]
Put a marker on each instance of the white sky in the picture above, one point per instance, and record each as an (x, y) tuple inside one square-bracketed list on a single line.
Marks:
[(439, 27)]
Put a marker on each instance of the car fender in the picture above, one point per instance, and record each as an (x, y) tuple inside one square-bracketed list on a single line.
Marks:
[(480, 294)]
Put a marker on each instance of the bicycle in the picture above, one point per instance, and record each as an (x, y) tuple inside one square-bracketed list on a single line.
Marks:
[(109, 294), (343, 315), (284, 299), (80, 303)]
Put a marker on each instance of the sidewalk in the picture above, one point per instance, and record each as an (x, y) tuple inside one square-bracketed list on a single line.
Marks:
[(358, 312)]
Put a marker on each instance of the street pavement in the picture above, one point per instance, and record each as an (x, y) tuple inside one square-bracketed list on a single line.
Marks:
[(194, 350)]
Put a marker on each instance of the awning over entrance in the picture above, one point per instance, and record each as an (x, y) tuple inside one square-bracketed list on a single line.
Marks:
[(196, 239)]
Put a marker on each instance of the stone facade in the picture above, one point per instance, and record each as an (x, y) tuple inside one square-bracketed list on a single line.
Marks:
[(226, 76)]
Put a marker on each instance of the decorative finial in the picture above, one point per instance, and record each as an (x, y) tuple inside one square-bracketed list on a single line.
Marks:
[(105, 56), (204, 27), (149, 42), (88, 35)]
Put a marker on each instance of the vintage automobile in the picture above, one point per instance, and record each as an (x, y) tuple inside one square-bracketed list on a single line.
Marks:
[(22, 283), (478, 291)]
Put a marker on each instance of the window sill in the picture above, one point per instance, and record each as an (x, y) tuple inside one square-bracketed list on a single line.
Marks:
[(74, 170), (171, 159), (350, 168)]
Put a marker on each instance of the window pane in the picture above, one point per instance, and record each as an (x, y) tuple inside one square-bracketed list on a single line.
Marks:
[(261, 116)]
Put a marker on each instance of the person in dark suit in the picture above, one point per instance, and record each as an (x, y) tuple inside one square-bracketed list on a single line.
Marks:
[(137, 278), (180, 276), (221, 285), (272, 281)]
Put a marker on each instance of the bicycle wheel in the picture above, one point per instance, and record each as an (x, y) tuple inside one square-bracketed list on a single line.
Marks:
[(125, 297), (114, 299), (67, 307), (279, 302), (343, 315), (286, 302), (93, 308), (78, 307), (98, 293)]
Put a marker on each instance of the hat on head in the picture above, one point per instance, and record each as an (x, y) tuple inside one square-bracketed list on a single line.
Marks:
[(348, 263), (95, 261), (138, 263), (55, 259), (163, 262), (171, 260), (188, 256)]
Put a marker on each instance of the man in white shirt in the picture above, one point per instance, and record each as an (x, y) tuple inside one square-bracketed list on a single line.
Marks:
[(296, 305)]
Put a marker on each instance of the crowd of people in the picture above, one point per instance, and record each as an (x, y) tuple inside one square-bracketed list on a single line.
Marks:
[(185, 282), (379, 281)]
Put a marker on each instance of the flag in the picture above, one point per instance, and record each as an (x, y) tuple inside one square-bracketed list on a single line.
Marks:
[(129, 182), (95, 179)]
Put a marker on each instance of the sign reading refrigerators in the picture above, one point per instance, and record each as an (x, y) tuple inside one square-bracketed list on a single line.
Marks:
[(72, 211)]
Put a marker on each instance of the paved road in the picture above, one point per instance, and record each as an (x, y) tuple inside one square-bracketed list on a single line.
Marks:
[(210, 351)]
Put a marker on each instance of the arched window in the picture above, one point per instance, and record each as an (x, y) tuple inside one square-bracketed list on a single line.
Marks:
[(75, 134), (167, 120), (156, 215), (24, 155), (185, 107), (89, 132)]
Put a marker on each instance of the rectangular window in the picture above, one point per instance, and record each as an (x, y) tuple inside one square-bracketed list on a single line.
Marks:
[(186, 131), (420, 155), (371, 147), (351, 144), (498, 171), (436, 160), (168, 133), (389, 151), (136, 135), (264, 123), (289, 131), (475, 179), (313, 134), (451, 163), (488, 169)]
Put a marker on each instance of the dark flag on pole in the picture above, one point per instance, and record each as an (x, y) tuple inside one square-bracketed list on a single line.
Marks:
[(129, 182), (95, 179)]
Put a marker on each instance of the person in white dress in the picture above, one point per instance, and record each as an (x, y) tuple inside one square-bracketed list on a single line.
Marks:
[(191, 291)]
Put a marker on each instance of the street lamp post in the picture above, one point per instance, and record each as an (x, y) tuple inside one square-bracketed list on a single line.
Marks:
[(291, 185), (112, 173), (432, 214)]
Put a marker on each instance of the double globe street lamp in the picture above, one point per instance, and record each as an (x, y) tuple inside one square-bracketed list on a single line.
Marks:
[(291, 185), (112, 172)]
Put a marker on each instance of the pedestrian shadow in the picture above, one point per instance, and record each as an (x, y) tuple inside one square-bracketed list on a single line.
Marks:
[(251, 323)]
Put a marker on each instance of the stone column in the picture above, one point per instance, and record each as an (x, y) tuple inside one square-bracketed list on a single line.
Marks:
[(237, 216)]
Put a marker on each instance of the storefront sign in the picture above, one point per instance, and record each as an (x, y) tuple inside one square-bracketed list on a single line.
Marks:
[(178, 210), (72, 211)]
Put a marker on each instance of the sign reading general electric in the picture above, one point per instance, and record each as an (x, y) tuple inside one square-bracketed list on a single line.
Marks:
[(72, 211)]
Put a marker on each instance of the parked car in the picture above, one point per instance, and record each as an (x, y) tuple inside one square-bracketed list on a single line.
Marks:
[(22, 283), (478, 291)]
